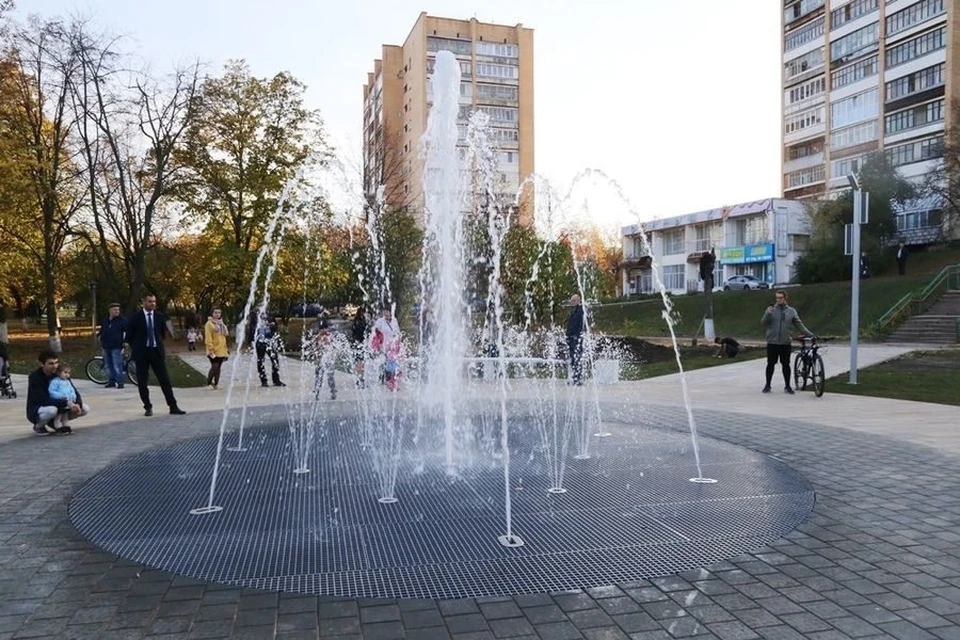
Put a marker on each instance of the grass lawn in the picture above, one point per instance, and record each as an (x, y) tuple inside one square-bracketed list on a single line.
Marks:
[(643, 359), (24, 348), (824, 309), (924, 376)]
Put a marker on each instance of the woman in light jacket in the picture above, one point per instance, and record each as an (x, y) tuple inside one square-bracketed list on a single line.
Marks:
[(215, 334)]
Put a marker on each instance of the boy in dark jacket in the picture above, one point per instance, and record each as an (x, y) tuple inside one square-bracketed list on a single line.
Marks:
[(41, 408)]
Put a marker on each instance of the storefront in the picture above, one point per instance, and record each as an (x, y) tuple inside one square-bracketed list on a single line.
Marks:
[(753, 259)]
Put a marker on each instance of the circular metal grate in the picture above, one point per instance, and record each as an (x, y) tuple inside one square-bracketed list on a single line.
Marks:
[(629, 512)]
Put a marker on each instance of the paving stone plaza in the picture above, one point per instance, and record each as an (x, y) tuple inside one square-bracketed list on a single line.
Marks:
[(877, 557)]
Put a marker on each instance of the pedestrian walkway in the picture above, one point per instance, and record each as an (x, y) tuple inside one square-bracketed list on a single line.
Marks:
[(878, 558)]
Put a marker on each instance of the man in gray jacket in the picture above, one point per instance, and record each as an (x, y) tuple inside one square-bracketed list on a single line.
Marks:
[(780, 319)]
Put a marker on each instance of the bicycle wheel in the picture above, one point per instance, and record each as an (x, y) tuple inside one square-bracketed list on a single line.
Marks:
[(131, 371), (95, 370), (818, 376), (798, 373)]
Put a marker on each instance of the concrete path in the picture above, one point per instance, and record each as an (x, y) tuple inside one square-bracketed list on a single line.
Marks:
[(733, 387)]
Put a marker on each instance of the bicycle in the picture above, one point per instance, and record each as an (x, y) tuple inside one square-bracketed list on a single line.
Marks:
[(808, 364), (97, 373)]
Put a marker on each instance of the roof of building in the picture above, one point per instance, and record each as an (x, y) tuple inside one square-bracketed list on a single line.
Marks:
[(719, 213)]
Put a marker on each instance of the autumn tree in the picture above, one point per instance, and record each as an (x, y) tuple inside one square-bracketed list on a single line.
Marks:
[(825, 260), (248, 137), (944, 180), (40, 66), (128, 127)]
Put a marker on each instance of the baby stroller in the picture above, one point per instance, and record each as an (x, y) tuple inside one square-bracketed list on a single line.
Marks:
[(6, 384)]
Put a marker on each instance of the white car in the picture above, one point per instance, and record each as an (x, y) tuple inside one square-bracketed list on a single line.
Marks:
[(744, 282)]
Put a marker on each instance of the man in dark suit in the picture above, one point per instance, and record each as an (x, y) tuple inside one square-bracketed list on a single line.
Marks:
[(146, 330)]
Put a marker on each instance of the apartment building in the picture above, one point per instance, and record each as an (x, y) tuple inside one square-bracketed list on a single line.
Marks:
[(762, 238), (861, 76), (496, 64)]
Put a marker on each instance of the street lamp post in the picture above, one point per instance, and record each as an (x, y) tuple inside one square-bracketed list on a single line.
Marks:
[(861, 208)]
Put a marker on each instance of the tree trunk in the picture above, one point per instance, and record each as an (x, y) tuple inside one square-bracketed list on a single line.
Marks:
[(51, 304), (4, 333)]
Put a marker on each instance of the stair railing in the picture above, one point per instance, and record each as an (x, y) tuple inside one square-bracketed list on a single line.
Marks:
[(916, 303)]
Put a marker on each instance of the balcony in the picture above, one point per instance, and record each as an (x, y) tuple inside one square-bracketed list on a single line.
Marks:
[(636, 261)]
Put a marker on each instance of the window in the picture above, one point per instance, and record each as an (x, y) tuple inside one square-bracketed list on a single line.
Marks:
[(509, 157), (804, 177), (851, 11), (916, 82), (855, 108), (806, 33), (852, 136), (501, 115), (919, 219), (805, 149), (702, 242), (464, 67), (931, 148), (497, 92), (915, 151), (466, 89), (504, 135), (752, 230), (489, 70), (673, 242), (914, 15), (798, 242), (846, 166), (804, 120), (915, 117), (857, 71), (855, 43), (805, 63), (459, 47), (499, 50), (806, 90), (673, 277), (799, 9), (916, 47)]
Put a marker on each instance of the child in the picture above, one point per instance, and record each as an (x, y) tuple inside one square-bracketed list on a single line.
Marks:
[(391, 368), (61, 388), (192, 334)]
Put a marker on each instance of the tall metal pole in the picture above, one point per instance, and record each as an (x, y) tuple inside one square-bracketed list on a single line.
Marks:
[(858, 204)]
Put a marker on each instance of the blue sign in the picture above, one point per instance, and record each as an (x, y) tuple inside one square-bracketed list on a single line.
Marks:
[(746, 254)]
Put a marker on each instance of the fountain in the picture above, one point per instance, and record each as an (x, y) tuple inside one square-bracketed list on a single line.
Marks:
[(445, 485)]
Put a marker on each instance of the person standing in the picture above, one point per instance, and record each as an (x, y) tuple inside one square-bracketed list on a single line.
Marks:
[(265, 341), (576, 325), (358, 344), (780, 319), (146, 331), (902, 258), (113, 329), (41, 408), (215, 334), (385, 341)]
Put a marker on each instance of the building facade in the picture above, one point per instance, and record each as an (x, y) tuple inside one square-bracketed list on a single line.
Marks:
[(496, 64), (762, 239), (861, 76)]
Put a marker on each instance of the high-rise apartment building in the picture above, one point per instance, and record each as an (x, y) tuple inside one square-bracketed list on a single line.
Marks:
[(496, 64), (861, 76)]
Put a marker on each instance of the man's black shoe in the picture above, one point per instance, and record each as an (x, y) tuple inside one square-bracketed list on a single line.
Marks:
[(177, 411), (41, 429), (64, 430), (788, 389), (148, 412), (278, 384), (264, 384), (766, 389), (119, 386), (110, 385)]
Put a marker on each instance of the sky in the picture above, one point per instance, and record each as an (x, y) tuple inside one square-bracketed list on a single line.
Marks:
[(678, 102)]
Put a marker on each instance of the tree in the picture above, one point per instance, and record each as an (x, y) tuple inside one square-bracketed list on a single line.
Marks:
[(944, 180), (40, 67), (129, 126), (825, 260)]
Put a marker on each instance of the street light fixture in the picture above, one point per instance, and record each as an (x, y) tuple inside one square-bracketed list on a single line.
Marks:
[(861, 208)]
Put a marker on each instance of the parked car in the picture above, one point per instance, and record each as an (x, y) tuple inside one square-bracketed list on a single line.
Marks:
[(744, 282), (308, 310)]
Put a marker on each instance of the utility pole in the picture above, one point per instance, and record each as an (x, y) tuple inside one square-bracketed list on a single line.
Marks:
[(861, 215)]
